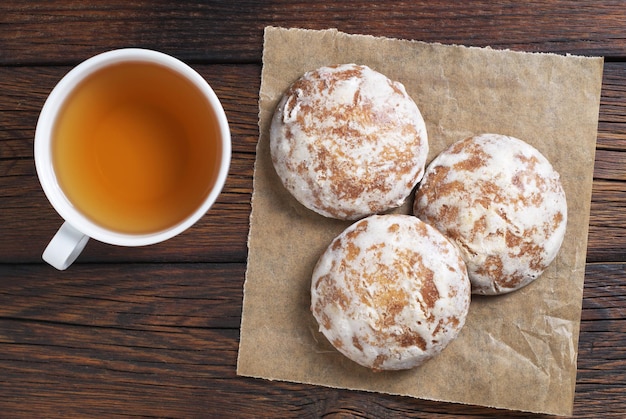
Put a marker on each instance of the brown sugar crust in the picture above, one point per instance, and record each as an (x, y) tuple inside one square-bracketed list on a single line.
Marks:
[(390, 292), (502, 203), (348, 142)]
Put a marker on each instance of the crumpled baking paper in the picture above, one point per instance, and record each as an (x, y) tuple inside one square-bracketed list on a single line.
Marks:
[(516, 351)]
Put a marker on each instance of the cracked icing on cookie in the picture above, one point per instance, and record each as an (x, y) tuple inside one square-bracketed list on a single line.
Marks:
[(390, 292), (501, 201), (348, 142)]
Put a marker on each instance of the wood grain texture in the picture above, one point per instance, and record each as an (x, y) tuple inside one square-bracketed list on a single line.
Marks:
[(66, 32), (154, 331), (212, 239), (161, 340), (27, 221)]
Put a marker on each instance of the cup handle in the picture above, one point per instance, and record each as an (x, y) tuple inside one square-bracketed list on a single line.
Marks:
[(65, 247)]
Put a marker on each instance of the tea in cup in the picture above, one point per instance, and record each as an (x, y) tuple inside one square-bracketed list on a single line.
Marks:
[(132, 147)]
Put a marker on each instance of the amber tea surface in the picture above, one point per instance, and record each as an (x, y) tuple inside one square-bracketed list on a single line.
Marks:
[(136, 148)]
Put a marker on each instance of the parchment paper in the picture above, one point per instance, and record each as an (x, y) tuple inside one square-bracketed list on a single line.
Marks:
[(516, 351)]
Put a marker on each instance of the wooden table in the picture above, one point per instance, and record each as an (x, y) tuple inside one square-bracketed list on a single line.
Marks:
[(154, 331)]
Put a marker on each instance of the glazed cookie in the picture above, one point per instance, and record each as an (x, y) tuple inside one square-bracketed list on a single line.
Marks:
[(390, 292), (501, 201), (348, 142)]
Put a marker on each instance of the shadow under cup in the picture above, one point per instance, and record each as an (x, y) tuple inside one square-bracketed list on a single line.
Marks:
[(138, 148)]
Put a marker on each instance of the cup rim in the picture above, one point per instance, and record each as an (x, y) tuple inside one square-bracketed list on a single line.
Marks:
[(43, 142)]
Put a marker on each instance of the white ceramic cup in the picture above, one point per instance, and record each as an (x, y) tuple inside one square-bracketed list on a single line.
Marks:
[(77, 228)]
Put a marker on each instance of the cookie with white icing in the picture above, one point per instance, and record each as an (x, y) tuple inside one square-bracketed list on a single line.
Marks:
[(348, 142), (390, 292), (501, 201)]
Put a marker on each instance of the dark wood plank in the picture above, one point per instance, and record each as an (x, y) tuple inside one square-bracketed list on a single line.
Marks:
[(609, 189), (70, 31), (607, 230), (134, 296), (27, 221), (25, 89), (612, 121), (141, 336), (602, 349), (162, 340)]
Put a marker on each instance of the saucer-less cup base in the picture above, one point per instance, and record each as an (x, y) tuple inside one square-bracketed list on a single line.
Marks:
[(77, 228)]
